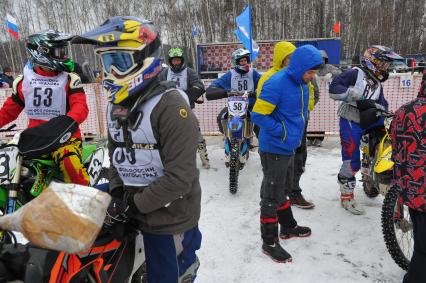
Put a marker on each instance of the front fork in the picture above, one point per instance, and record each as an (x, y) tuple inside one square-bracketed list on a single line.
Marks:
[(12, 188), (243, 135)]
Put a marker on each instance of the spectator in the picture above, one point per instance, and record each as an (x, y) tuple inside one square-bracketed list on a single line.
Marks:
[(329, 71), (7, 76), (280, 112), (408, 130)]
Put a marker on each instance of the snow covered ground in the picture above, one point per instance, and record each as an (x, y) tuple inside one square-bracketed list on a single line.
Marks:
[(343, 247)]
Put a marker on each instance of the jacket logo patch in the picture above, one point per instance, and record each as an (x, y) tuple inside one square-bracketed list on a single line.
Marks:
[(183, 113)]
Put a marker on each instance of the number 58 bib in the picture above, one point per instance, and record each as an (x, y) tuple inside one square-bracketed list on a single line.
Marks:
[(45, 97)]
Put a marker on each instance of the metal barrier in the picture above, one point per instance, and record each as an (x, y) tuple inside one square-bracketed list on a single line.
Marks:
[(399, 89)]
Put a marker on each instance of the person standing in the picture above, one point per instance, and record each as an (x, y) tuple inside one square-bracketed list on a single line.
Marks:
[(152, 143), (282, 54), (240, 78), (7, 76), (359, 88), (187, 80), (408, 134), (327, 71), (280, 112)]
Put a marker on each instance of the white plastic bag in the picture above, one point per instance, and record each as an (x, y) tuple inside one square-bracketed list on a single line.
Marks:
[(65, 217)]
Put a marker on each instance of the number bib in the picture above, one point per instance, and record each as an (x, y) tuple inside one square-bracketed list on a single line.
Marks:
[(45, 97), (242, 82), (181, 78), (362, 86), (138, 166), (237, 105)]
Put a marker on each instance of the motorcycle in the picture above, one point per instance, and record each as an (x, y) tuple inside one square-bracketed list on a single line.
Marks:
[(21, 180), (238, 131), (377, 174)]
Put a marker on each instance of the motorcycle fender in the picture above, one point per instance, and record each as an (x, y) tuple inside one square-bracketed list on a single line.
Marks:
[(384, 162)]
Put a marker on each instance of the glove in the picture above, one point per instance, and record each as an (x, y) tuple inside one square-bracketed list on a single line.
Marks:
[(116, 212), (122, 206), (368, 104), (252, 94)]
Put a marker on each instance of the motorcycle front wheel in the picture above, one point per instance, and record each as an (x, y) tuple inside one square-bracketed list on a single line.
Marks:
[(234, 166), (397, 229)]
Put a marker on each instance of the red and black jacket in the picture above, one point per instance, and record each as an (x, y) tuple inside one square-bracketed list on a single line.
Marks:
[(76, 104), (408, 133)]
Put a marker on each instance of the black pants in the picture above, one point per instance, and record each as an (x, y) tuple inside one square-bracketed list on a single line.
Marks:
[(300, 157), (277, 182), (417, 268)]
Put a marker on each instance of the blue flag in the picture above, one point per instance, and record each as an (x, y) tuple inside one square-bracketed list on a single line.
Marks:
[(195, 31), (243, 32)]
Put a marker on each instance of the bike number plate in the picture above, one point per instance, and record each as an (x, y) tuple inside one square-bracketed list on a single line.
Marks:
[(95, 166), (237, 105), (8, 156)]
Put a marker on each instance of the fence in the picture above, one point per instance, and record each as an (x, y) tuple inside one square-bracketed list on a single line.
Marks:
[(399, 89)]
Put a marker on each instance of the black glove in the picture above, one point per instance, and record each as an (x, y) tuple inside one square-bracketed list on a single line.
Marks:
[(116, 211), (252, 94)]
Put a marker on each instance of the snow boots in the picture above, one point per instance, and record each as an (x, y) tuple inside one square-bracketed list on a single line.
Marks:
[(288, 225), (271, 245), (347, 200)]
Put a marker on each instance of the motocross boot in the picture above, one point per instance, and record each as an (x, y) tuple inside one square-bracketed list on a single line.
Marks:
[(347, 199)]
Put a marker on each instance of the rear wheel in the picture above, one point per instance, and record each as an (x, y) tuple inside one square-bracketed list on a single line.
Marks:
[(397, 229), (234, 166)]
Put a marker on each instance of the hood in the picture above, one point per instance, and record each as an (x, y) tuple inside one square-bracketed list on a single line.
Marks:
[(281, 50), (303, 59)]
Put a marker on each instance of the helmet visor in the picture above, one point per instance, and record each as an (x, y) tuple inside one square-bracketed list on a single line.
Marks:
[(121, 62)]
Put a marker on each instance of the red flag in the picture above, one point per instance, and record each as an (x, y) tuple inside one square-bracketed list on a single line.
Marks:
[(336, 27)]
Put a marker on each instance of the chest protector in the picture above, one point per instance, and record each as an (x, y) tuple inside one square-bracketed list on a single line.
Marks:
[(363, 87), (45, 97), (140, 164), (242, 82), (180, 78)]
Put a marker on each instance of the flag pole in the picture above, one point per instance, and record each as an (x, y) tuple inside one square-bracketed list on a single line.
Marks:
[(250, 35)]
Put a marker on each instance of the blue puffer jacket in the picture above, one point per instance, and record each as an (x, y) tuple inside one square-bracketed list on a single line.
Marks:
[(282, 106)]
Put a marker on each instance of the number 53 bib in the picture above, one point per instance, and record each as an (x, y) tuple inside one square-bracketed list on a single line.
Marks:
[(45, 97)]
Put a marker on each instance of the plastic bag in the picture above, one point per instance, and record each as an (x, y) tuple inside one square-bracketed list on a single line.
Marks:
[(65, 217)]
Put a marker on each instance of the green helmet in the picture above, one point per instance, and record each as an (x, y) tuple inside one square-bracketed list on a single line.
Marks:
[(50, 49), (176, 52)]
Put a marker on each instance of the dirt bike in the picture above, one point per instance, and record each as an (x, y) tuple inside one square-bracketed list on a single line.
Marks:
[(377, 174), (238, 131), (107, 258)]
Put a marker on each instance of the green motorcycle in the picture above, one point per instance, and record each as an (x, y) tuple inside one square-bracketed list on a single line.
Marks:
[(22, 179)]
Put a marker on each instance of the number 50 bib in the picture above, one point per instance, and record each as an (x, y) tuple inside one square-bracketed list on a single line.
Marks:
[(45, 97)]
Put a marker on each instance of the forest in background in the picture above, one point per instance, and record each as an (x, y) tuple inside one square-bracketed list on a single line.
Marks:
[(400, 24)]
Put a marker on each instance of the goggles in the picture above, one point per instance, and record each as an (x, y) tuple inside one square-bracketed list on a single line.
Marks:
[(381, 65), (60, 53), (121, 62)]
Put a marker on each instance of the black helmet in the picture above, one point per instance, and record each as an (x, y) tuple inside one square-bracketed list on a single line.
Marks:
[(50, 49), (176, 52)]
